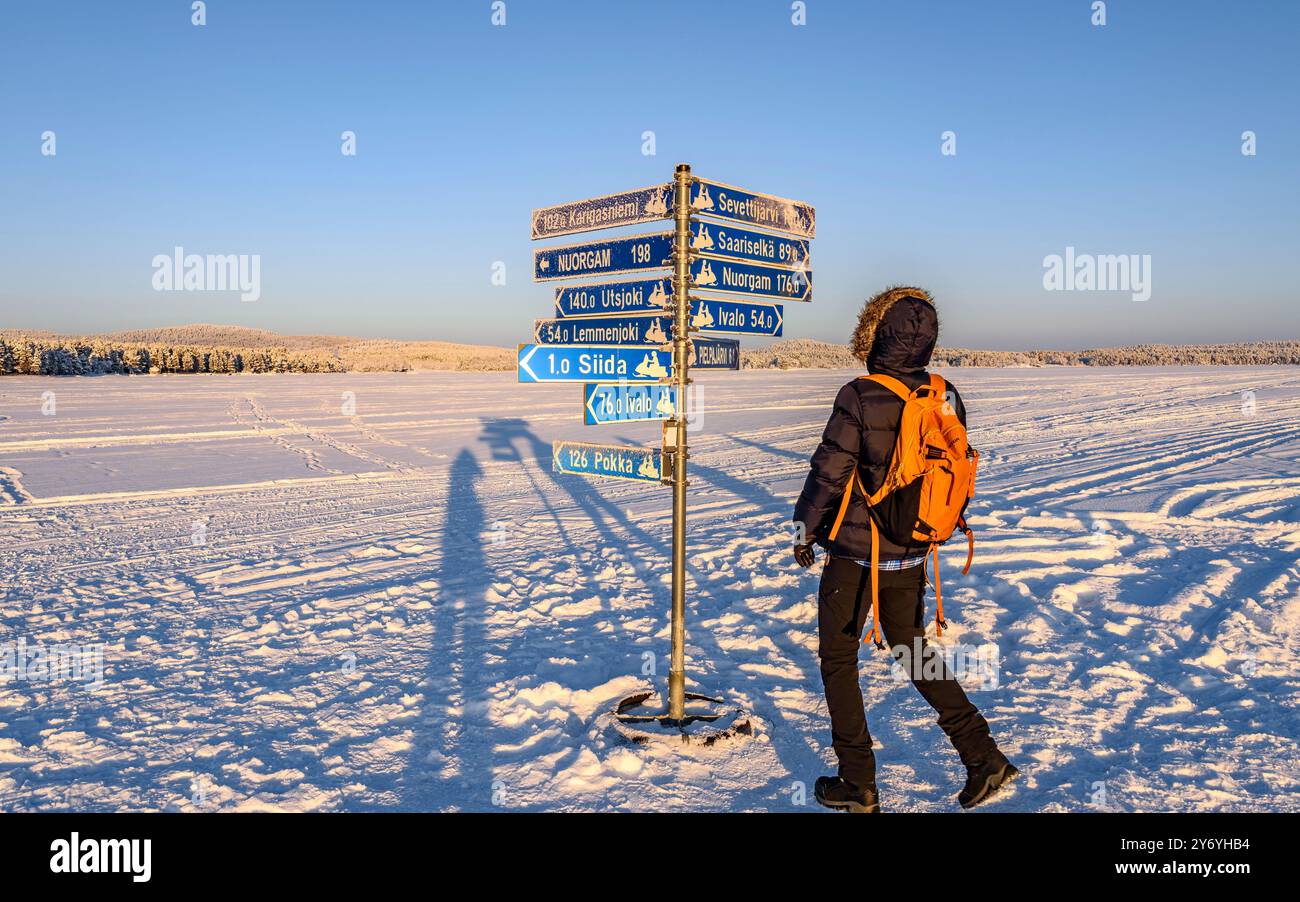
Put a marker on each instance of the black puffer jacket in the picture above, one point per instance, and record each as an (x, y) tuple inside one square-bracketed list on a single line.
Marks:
[(863, 429)]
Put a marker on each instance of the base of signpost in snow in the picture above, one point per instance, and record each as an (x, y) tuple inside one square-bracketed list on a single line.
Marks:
[(640, 718)]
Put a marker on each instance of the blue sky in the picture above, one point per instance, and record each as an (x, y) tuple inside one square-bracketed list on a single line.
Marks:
[(1122, 139)]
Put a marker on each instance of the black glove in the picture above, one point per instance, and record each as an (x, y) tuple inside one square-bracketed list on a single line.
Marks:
[(804, 556)]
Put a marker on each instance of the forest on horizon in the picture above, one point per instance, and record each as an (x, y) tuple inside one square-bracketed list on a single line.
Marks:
[(205, 348)]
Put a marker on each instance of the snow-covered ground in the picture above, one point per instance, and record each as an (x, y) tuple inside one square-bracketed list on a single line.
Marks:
[(402, 607)]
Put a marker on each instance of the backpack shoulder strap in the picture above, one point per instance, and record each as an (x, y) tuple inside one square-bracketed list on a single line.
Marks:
[(844, 503), (938, 386), (890, 383)]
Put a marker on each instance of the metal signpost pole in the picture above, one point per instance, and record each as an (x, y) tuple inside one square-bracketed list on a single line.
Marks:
[(681, 279)]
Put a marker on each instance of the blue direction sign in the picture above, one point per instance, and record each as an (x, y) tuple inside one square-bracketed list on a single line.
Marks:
[(752, 279), (713, 239), (604, 330), (624, 208), (587, 363), (612, 461), (764, 210), (640, 296), (607, 403), (715, 354), (738, 317), (638, 252)]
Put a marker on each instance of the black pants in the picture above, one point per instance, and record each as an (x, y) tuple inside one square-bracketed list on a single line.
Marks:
[(843, 611)]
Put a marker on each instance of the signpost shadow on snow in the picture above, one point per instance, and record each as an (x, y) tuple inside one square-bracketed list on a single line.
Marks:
[(454, 758), (766, 448), (452, 745), (513, 439), (504, 437)]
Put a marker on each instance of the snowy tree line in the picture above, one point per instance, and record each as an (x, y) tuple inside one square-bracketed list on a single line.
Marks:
[(233, 349), (26, 356), (47, 354)]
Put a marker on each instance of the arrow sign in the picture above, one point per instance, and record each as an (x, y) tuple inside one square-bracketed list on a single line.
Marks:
[(723, 201), (607, 403), (612, 461), (585, 363), (738, 317), (638, 252), (604, 330), (624, 208), (641, 296), (712, 239), (752, 279), (715, 354)]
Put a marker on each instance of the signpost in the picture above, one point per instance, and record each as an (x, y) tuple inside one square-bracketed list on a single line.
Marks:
[(715, 354), (640, 296), (652, 329), (625, 208), (610, 461), (721, 201), (634, 342), (711, 239), (738, 317), (601, 258), (730, 277), (583, 363), (676, 460), (604, 404)]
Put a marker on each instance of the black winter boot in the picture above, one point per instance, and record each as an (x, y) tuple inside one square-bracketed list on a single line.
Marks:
[(984, 778), (833, 792)]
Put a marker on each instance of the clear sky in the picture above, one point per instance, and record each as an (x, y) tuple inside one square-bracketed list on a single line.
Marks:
[(225, 139)]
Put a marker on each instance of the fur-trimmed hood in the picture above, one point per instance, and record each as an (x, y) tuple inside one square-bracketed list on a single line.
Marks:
[(896, 331)]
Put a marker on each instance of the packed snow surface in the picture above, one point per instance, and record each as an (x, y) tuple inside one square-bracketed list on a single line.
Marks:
[(358, 591)]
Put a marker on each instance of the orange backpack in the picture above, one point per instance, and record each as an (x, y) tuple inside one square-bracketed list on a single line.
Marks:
[(930, 479)]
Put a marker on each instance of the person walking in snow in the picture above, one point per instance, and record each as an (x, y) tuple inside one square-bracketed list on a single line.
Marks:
[(895, 338)]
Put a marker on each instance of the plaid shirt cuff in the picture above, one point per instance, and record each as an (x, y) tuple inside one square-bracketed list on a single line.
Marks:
[(901, 564)]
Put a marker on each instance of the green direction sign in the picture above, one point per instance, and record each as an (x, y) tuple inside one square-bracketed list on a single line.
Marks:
[(609, 461)]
